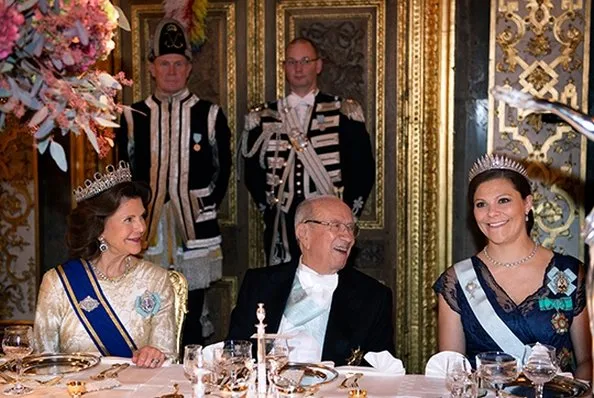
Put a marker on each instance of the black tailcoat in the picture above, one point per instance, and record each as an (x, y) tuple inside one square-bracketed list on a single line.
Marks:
[(360, 314)]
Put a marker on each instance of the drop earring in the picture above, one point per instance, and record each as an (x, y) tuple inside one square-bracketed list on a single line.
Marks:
[(102, 244), (527, 218)]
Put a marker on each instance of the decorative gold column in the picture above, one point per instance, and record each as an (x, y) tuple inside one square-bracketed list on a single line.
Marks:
[(424, 168)]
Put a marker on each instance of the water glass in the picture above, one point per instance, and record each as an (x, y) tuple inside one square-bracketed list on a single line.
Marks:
[(539, 364), (17, 344), (457, 374), (234, 367), (497, 368), (193, 362)]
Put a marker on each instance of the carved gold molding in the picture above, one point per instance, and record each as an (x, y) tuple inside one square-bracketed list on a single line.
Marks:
[(542, 47), (140, 16), (424, 170), (256, 27)]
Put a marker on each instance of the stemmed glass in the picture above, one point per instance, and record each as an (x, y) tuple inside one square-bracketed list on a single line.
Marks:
[(277, 356), (17, 344), (497, 368), (194, 367), (234, 366), (539, 365), (458, 373)]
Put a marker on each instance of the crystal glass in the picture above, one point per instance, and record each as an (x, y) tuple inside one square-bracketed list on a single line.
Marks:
[(458, 372), (17, 344), (539, 364), (234, 367), (277, 354), (497, 368), (193, 362)]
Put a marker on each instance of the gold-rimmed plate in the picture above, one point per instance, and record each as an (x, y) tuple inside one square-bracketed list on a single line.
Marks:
[(297, 377), (559, 387), (55, 364)]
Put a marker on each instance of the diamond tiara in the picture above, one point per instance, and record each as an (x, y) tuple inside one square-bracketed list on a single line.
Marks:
[(103, 182), (495, 162)]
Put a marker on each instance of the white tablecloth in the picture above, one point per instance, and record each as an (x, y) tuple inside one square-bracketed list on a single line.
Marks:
[(149, 383)]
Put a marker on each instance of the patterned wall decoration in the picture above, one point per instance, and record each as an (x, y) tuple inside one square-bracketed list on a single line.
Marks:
[(537, 46), (18, 229), (350, 37), (208, 79)]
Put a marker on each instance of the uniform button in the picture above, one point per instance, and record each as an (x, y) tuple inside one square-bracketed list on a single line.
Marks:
[(298, 183), (298, 174), (298, 165), (280, 181), (299, 191)]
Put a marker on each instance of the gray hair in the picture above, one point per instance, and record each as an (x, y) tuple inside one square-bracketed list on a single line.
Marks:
[(307, 209)]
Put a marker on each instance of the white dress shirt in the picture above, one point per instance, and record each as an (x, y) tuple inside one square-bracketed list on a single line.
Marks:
[(307, 340), (302, 105)]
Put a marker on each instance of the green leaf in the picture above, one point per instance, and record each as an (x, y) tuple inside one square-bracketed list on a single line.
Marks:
[(58, 155), (39, 117), (42, 145), (92, 137), (123, 22)]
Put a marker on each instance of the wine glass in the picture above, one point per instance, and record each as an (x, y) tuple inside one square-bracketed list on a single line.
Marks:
[(234, 366), (539, 364), (277, 354), (497, 368), (17, 344), (193, 362), (457, 373)]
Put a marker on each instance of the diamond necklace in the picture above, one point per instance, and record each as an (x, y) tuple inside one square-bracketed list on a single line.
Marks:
[(104, 277), (514, 263)]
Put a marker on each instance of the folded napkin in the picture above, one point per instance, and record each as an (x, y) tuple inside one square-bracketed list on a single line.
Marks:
[(385, 363), (438, 363), (208, 352)]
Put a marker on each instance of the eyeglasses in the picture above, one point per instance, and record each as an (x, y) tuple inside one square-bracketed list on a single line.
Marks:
[(303, 61), (336, 227)]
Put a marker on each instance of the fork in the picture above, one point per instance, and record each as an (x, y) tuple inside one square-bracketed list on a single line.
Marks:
[(104, 373)]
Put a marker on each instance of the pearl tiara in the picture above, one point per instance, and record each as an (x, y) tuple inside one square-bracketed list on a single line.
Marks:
[(103, 182), (495, 162)]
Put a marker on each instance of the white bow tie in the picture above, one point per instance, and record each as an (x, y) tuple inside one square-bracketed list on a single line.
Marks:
[(310, 279), (295, 100)]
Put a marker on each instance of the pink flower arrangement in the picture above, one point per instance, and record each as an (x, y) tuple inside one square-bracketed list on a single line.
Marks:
[(46, 70), (10, 22)]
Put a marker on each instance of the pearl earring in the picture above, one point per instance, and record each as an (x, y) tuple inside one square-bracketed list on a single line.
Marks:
[(102, 244)]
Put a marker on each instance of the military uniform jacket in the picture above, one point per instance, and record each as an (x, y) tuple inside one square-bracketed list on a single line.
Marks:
[(180, 145), (336, 130)]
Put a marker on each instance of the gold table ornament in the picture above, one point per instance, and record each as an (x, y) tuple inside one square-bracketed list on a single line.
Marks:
[(76, 388), (358, 393)]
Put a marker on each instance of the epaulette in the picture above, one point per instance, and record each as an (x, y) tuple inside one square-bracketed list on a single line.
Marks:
[(252, 119), (351, 109)]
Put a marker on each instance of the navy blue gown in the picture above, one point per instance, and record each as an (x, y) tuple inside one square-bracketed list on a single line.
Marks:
[(545, 316)]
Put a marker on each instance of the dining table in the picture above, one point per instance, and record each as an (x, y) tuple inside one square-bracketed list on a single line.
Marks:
[(149, 383)]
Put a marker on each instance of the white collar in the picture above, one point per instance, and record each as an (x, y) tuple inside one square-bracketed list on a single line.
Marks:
[(295, 100), (310, 279)]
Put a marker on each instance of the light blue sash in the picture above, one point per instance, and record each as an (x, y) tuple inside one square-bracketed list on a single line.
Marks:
[(484, 311), (303, 312), (93, 310)]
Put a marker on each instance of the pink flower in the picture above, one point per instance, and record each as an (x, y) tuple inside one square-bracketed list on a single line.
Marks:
[(10, 21)]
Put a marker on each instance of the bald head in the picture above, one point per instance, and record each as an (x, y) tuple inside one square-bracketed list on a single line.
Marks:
[(324, 227)]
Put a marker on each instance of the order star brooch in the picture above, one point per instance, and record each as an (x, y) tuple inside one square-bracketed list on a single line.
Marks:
[(148, 304), (561, 282)]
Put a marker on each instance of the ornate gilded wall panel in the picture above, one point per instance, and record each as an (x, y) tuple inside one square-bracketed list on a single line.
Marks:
[(423, 183), (537, 46), (18, 224), (350, 37), (213, 72)]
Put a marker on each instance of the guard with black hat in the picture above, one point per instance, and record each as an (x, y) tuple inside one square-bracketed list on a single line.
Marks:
[(180, 145)]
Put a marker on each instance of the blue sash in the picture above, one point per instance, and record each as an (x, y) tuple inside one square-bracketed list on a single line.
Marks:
[(93, 310)]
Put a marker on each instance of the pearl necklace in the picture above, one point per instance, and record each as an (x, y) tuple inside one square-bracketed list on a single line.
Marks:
[(106, 278), (514, 263)]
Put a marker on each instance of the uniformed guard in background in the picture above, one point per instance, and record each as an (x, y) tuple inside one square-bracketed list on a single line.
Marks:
[(306, 144), (180, 145)]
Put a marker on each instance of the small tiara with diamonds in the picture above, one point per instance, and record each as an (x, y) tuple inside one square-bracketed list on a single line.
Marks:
[(495, 162), (103, 182)]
